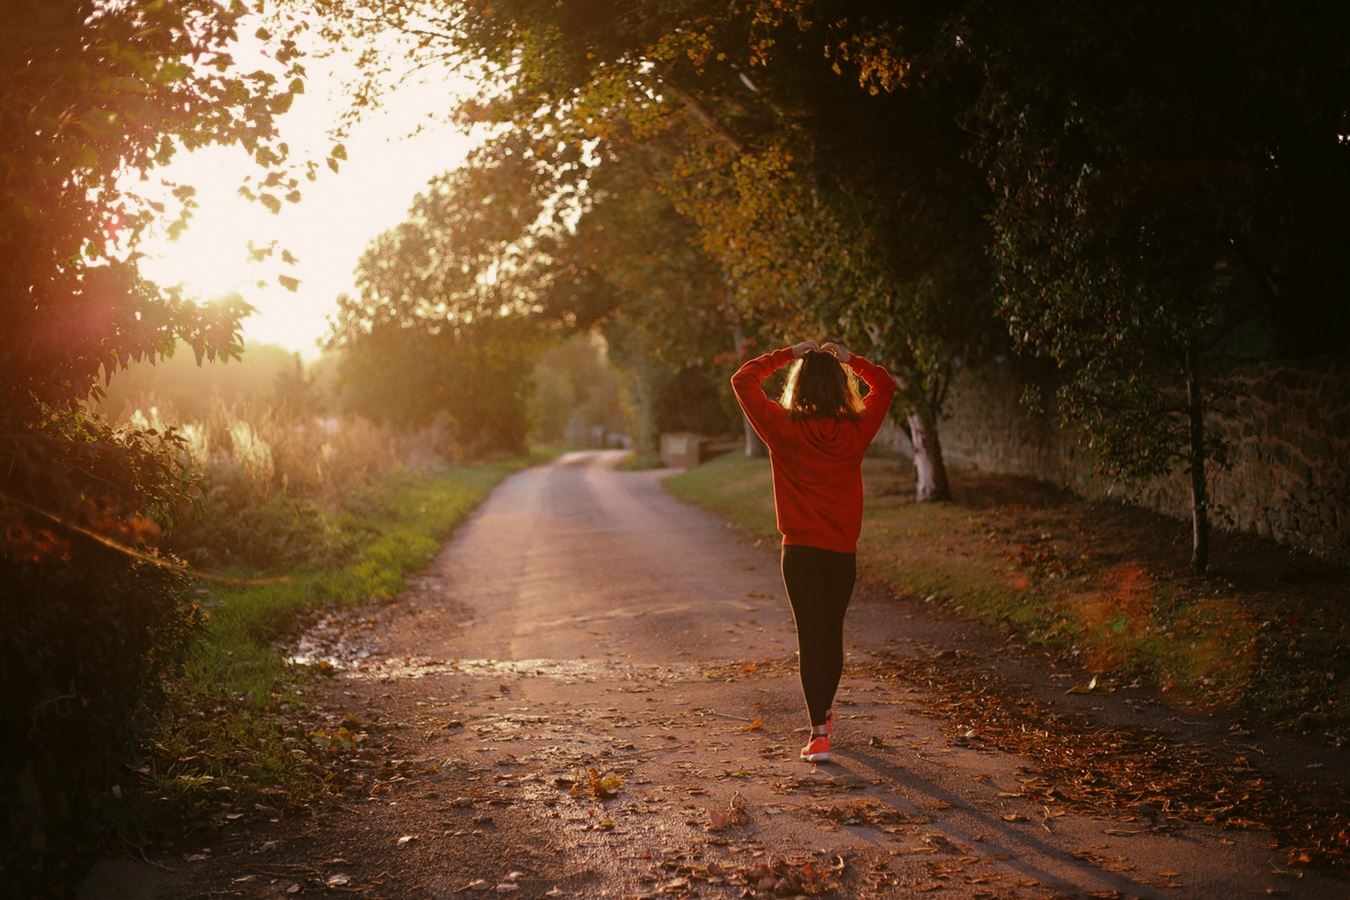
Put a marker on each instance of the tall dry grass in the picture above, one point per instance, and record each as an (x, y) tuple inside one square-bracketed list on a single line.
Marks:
[(273, 485)]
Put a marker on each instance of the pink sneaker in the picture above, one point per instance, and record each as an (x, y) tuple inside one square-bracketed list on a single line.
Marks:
[(818, 750)]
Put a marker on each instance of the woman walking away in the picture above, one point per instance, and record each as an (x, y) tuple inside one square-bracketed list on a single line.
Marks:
[(816, 437)]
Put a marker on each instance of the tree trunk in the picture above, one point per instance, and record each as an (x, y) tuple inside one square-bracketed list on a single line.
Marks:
[(754, 447), (930, 481), (1196, 453)]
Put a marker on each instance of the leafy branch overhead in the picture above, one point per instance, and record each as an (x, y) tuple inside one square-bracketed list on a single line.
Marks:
[(785, 175), (97, 98), (929, 185)]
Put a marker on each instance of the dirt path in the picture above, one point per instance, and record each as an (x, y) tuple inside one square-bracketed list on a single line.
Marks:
[(583, 619)]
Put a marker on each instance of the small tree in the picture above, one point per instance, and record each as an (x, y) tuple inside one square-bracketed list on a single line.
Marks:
[(576, 392), (1160, 179), (444, 319), (671, 325)]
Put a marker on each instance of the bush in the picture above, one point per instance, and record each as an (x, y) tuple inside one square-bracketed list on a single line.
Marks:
[(91, 638), (85, 643), (273, 484)]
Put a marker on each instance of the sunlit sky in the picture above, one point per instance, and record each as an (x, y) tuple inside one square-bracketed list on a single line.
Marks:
[(330, 227)]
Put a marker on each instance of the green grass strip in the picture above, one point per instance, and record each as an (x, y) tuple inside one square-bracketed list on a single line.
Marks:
[(401, 527), (230, 718), (1076, 576)]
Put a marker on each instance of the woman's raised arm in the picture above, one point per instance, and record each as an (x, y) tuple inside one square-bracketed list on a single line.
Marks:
[(766, 415)]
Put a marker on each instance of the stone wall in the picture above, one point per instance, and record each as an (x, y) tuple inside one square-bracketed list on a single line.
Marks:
[(1287, 425)]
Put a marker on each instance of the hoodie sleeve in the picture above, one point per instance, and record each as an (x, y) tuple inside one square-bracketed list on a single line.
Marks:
[(881, 390), (766, 416)]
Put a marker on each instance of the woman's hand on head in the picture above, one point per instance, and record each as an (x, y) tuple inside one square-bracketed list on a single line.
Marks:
[(832, 347), (801, 349)]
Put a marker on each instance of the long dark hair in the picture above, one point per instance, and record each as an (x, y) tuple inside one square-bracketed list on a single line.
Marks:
[(820, 387)]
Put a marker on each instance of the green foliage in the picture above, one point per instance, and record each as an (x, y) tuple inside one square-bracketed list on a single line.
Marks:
[(84, 473), (270, 485), (841, 211), (1161, 177), (226, 724), (85, 644), (670, 327), (639, 461), (97, 95), (575, 391), (473, 378), (662, 286), (663, 396), (242, 525), (818, 208), (94, 94), (443, 324), (1137, 225)]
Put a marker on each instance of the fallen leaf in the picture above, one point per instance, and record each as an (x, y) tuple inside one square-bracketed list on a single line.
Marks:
[(757, 724), (733, 815)]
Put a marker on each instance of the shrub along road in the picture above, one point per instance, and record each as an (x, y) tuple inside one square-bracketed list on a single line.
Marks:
[(592, 692)]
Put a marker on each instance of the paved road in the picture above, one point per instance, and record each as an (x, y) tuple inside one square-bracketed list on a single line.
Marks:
[(583, 619)]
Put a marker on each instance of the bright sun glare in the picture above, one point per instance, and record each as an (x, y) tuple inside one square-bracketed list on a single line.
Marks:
[(387, 164)]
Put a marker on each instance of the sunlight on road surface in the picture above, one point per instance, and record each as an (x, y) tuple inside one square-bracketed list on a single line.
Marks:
[(568, 671)]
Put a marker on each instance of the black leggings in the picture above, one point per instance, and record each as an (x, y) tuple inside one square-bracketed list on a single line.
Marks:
[(819, 584)]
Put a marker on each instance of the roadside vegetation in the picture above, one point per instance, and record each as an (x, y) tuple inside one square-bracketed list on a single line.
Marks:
[(301, 507), (1102, 583), (670, 187), (282, 504), (295, 515), (235, 740), (640, 460)]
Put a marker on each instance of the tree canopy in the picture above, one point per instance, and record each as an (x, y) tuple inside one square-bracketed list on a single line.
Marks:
[(817, 155), (443, 323), (1167, 193), (96, 97)]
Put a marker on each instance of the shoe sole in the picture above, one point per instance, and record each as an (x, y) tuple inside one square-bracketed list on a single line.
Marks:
[(816, 757)]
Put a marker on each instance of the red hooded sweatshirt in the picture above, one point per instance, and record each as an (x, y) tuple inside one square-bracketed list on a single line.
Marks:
[(816, 463)]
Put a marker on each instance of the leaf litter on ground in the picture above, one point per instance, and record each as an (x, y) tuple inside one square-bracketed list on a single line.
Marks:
[(732, 816), (1153, 779)]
